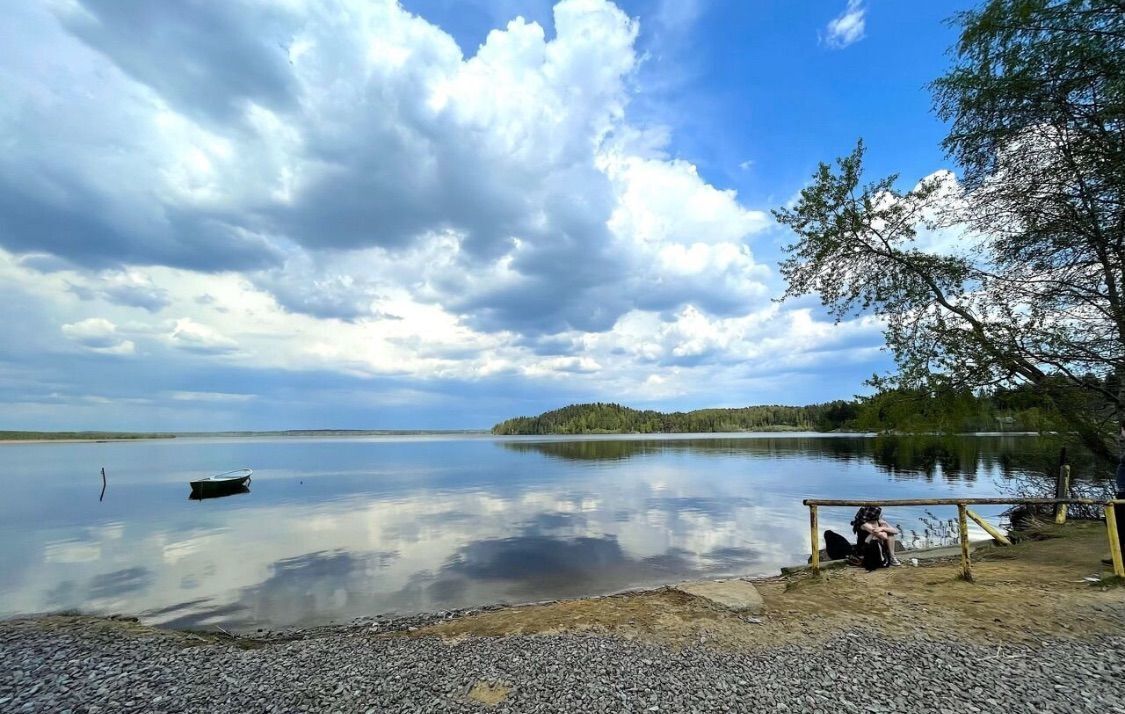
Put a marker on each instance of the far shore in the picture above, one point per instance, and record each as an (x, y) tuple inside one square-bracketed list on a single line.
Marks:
[(73, 437), (9, 437), (21, 437)]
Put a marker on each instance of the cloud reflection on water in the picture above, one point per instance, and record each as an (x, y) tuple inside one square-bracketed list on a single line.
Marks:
[(529, 520)]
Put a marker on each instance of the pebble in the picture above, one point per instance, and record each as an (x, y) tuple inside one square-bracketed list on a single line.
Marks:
[(346, 669)]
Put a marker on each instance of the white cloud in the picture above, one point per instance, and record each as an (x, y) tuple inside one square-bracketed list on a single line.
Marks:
[(98, 335), (191, 336), (938, 220), (133, 289), (362, 135), (210, 397), (354, 196), (847, 28)]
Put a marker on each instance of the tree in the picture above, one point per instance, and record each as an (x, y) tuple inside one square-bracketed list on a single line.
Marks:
[(1036, 104)]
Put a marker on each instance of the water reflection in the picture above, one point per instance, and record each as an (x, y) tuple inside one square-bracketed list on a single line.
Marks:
[(337, 529), (120, 582), (952, 457), (230, 491)]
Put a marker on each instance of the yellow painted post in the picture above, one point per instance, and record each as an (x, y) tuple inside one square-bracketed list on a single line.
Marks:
[(1063, 492), (815, 534), (988, 528), (966, 565), (1114, 541)]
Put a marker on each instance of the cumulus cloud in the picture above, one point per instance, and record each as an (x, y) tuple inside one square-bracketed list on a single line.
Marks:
[(207, 40), (359, 134), (191, 336), (336, 188), (133, 289), (848, 27), (938, 220), (98, 335), (686, 240), (341, 286), (182, 396), (426, 369)]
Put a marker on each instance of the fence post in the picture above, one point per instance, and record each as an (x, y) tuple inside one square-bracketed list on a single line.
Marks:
[(1114, 541), (815, 539), (1062, 490), (966, 565), (988, 528)]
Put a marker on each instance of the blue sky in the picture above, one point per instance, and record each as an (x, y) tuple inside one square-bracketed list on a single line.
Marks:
[(433, 214)]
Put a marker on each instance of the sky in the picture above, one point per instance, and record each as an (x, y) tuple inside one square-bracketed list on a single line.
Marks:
[(433, 214)]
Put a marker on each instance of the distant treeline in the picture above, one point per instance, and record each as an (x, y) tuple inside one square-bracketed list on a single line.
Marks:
[(77, 435), (333, 432), (120, 435), (896, 410), (615, 419)]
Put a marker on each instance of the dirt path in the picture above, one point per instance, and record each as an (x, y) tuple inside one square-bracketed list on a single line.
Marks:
[(1031, 591)]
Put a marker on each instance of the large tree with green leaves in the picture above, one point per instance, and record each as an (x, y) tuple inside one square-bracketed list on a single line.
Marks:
[(1033, 295)]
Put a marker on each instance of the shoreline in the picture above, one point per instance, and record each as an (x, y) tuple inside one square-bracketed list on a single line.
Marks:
[(589, 436), (578, 437), (391, 621), (1087, 536), (218, 436), (1029, 612), (147, 439)]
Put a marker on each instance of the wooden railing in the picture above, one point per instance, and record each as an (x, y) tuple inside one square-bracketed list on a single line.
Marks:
[(963, 514)]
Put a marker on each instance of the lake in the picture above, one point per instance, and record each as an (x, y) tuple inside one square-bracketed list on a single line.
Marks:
[(338, 528)]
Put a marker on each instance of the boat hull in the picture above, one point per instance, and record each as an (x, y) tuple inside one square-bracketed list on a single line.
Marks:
[(206, 488)]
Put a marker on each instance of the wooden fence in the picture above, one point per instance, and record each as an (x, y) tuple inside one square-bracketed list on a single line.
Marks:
[(963, 514)]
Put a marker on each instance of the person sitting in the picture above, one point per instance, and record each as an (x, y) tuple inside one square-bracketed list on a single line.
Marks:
[(869, 523)]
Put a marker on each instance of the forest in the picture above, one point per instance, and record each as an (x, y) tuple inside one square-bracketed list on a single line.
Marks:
[(894, 410), (1018, 409), (602, 418)]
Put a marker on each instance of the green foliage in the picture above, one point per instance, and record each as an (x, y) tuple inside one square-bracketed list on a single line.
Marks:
[(602, 418), (896, 410), (1035, 296), (909, 410)]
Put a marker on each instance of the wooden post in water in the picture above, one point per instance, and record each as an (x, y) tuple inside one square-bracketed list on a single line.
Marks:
[(1114, 541), (815, 539), (966, 565), (103, 485)]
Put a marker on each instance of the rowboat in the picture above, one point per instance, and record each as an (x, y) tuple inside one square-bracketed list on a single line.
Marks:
[(229, 482)]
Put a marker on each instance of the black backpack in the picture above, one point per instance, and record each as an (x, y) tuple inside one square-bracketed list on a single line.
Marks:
[(874, 555), (838, 546)]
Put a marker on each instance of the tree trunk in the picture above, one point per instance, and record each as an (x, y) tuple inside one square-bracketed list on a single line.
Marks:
[(1121, 430)]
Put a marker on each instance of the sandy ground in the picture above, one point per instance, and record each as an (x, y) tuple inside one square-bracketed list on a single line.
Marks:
[(1028, 592)]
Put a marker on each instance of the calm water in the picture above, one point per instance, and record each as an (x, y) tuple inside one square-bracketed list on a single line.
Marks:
[(340, 528)]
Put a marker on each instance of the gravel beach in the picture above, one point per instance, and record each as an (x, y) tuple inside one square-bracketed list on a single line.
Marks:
[(84, 668)]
